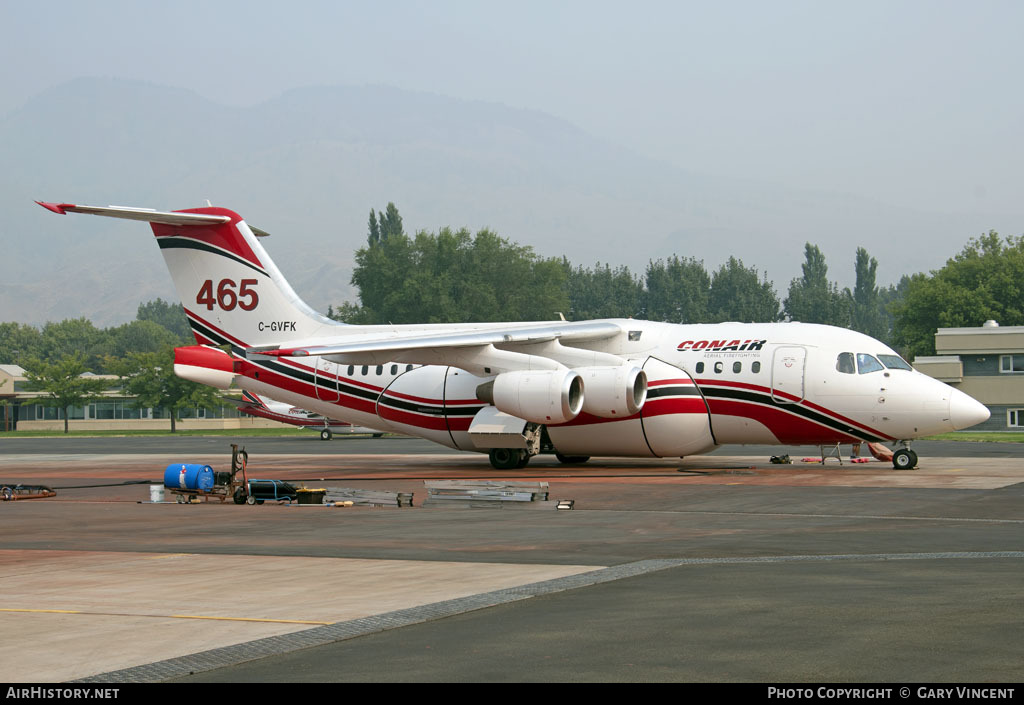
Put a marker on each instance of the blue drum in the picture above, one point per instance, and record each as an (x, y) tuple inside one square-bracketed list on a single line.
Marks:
[(189, 476)]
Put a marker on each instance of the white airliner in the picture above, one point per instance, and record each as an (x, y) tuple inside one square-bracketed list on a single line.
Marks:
[(255, 405), (617, 387)]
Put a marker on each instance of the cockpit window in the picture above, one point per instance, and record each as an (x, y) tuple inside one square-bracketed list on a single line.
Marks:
[(867, 363), (895, 362), (844, 363)]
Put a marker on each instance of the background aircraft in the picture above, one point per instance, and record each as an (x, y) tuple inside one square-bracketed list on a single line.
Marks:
[(254, 405)]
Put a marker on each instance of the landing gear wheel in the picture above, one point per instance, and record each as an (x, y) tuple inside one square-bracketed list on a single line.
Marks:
[(572, 459), (250, 500), (506, 458), (523, 460), (904, 459), (239, 497), (326, 435)]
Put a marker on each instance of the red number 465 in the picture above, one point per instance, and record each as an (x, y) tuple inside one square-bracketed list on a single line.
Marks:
[(226, 297)]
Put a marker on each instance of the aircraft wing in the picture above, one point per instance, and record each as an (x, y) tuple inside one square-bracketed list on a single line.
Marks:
[(395, 346)]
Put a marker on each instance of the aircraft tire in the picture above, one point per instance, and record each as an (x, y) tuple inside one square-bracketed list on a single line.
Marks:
[(572, 459), (505, 458), (239, 497), (326, 435), (904, 459)]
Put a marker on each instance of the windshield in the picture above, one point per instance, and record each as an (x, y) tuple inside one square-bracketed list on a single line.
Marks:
[(895, 362), (867, 363)]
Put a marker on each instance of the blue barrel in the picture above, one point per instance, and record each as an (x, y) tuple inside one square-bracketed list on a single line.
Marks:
[(189, 476)]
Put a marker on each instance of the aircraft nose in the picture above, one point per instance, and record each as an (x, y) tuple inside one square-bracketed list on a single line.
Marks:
[(965, 411)]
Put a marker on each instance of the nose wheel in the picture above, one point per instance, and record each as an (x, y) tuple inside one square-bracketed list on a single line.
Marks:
[(904, 459)]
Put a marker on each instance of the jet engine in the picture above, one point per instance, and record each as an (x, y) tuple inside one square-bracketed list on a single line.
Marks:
[(613, 392), (540, 396)]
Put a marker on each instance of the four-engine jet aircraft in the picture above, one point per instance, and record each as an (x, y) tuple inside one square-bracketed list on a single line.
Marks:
[(617, 387)]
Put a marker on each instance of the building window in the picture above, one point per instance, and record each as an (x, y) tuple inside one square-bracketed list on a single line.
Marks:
[(1011, 364), (1015, 418)]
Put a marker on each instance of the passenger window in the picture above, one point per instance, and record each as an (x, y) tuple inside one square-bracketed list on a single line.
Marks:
[(718, 368), (755, 367), (844, 363), (737, 366), (365, 369), (394, 369), (408, 368), (380, 369), (700, 368), (351, 370), (867, 363)]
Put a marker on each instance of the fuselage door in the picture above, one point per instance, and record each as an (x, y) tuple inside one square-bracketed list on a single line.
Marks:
[(788, 364), (327, 380)]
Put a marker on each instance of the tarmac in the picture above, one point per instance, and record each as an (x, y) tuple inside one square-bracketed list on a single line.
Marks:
[(715, 568)]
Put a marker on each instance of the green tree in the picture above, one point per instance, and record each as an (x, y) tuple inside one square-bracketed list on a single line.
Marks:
[(984, 281), (19, 341), (389, 225), (677, 291), (737, 293), (62, 383), (169, 315), (813, 298), (453, 276), (149, 377), (867, 312), (136, 337), (70, 337), (603, 292)]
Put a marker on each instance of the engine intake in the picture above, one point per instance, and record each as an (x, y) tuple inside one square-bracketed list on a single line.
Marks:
[(614, 392), (541, 396)]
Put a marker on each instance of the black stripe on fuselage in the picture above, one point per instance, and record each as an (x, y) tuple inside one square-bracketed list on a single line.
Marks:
[(793, 408)]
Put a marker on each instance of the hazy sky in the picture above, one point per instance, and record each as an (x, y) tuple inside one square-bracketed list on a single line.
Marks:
[(912, 103)]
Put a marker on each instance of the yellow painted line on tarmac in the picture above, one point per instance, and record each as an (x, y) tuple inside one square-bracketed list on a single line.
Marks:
[(171, 616), (44, 611), (245, 619)]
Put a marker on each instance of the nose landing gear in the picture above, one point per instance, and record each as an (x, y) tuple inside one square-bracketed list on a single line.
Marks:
[(904, 459)]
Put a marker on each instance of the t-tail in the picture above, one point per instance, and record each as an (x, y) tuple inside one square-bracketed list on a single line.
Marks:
[(232, 291)]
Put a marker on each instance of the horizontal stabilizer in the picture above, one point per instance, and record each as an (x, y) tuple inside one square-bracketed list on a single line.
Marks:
[(145, 214)]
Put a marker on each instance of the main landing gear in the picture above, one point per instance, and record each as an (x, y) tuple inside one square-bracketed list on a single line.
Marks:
[(326, 435), (904, 459), (508, 458)]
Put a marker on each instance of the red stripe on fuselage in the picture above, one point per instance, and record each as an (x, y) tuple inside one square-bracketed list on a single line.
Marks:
[(707, 384)]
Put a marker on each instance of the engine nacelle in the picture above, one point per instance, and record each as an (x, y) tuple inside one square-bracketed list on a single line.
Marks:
[(613, 392), (541, 396)]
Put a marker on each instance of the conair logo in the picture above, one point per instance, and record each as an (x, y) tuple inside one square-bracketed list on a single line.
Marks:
[(719, 345)]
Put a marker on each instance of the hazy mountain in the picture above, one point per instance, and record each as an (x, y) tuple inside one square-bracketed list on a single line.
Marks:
[(309, 165)]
